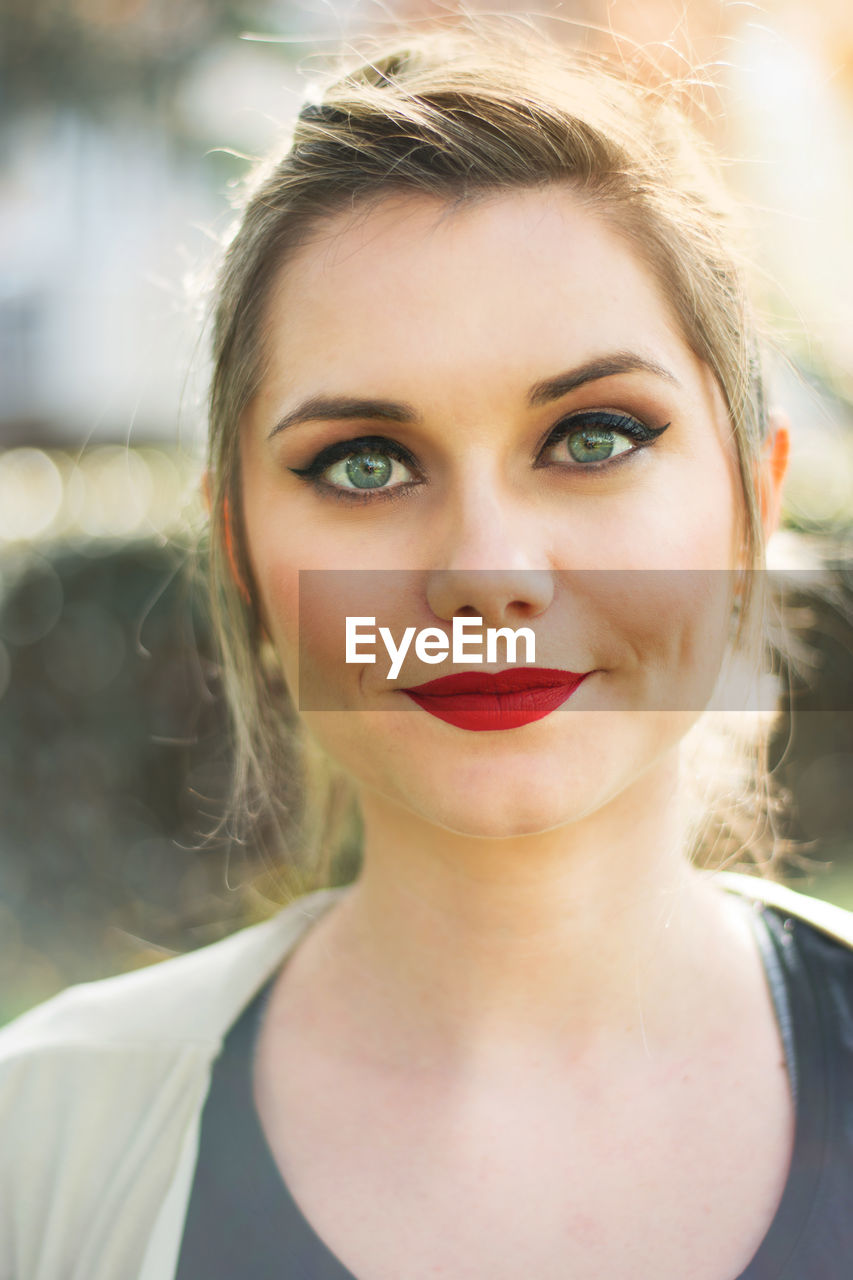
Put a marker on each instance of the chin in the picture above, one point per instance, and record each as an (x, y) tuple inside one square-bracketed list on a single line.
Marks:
[(496, 802), (499, 786)]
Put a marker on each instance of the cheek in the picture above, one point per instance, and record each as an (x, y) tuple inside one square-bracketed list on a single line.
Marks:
[(279, 590), (687, 517), (657, 636), (341, 656)]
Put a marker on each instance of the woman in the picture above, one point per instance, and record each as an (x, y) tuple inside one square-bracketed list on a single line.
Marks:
[(482, 352)]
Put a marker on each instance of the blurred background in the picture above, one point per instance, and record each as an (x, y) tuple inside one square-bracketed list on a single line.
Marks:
[(126, 128)]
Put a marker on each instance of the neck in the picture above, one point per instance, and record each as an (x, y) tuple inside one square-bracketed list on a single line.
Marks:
[(597, 930)]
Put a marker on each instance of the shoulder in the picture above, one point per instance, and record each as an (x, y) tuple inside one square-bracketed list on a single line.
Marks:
[(100, 1092), (187, 999), (826, 918), (814, 944)]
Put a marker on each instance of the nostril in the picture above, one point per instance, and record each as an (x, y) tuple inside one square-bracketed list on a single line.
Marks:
[(467, 611), (521, 609)]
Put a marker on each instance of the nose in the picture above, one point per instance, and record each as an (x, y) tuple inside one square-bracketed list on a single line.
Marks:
[(490, 570), (498, 596)]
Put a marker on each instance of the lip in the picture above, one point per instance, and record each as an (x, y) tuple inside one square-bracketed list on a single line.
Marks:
[(490, 700)]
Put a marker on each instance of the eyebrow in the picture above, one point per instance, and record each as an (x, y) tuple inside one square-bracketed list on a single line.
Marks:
[(343, 408), (603, 367)]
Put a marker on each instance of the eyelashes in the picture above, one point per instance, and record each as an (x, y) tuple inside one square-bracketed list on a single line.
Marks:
[(592, 437), (371, 460), (375, 468)]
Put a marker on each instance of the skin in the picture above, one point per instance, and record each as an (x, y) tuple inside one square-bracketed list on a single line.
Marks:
[(527, 967)]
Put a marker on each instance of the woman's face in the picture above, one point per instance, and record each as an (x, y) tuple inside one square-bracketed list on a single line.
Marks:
[(543, 450)]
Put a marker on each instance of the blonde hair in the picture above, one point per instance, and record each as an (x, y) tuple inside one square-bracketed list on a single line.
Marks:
[(456, 114)]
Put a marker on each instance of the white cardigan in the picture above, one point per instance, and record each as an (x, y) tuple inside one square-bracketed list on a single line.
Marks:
[(101, 1092), (102, 1089)]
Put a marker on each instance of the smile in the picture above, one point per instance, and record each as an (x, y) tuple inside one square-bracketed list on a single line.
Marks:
[(498, 699)]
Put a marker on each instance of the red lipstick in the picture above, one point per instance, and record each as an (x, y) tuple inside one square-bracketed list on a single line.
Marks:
[(496, 699)]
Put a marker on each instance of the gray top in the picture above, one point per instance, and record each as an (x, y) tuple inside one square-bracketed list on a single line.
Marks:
[(242, 1219)]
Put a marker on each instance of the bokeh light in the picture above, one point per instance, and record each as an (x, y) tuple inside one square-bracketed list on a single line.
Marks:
[(110, 492), (31, 493)]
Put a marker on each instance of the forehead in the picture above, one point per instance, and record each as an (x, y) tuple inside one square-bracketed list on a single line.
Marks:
[(414, 294)]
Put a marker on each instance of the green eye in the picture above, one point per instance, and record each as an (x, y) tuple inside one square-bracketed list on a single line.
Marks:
[(365, 469), (596, 444), (368, 470), (587, 440)]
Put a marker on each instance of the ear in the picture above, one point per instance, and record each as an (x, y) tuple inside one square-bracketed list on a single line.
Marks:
[(772, 468), (207, 490)]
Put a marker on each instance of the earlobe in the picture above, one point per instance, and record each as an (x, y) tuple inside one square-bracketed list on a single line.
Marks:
[(773, 466)]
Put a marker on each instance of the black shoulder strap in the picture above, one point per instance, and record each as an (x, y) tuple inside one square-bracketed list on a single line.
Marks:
[(825, 916)]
